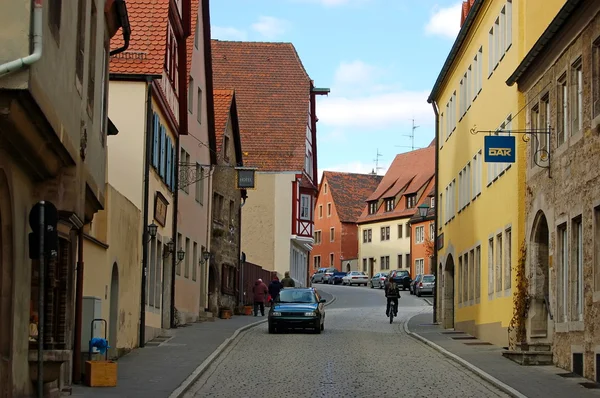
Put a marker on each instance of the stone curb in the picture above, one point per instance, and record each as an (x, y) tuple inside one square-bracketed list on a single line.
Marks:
[(428, 301), (485, 376), (199, 371)]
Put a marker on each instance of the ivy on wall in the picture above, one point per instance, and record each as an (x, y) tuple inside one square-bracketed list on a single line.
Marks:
[(517, 332)]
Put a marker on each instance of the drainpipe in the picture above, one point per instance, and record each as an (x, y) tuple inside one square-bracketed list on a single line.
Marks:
[(435, 229), (20, 63), (174, 259), (78, 310), (145, 235), (126, 27)]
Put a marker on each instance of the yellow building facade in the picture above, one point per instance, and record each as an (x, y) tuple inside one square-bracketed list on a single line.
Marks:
[(481, 205), (384, 246)]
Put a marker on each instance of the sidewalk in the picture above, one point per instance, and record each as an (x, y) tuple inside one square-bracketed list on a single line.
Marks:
[(529, 381), (155, 372)]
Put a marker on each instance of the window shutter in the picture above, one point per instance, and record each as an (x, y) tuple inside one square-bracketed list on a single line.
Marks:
[(155, 132), (168, 174), (175, 168), (163, 141)]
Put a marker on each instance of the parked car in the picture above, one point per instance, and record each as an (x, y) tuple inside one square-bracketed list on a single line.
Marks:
[(297, 308), (402, 278), (355, 278), (320, 274), (336, 278), (328, 274), (378, 280), (412, 284), (425, 285)]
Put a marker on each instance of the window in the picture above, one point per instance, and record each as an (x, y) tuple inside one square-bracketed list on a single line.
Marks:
[(186, 272), (499, 263), (385, 262), (407, 257), (508, 24), (562, 123), (199, 106), (596, 274), (364, 265), (320, 211), (199, 184), (400, 228), (191, 95), (80, 54), (54, 17), (389, 204), (563, 273), (407, 230), (325, 188), (545, 123), (419, 266), (104, 92), (179, 246), (331, 259), (184, 158), (317, 237), (460, 277), (465, 278), (231, 214), (172, 59), (507, 259), (385, 233), (491, 266), (400, 260), (479, 70), (577, 97), (431, 231), (92, 61), (373, 207), (491, 60), (478, 272), (332, 234), (419, 234), (476, 174), (328, 209), (305, 205), (596, 78), (472, 275), (316, 262), (577, 276), (432, 202), (229, 277), (367, 236), (534, 121), (411, 201), (195, 262), (463, 97), (217, 207)]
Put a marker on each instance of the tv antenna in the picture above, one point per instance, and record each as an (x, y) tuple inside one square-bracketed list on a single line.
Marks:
[(376, 160), (412, 137)]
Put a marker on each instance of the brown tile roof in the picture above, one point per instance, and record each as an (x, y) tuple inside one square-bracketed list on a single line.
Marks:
[(410, 173), (350, 191), (189, 44), (272, 91), (223, 99), (148, 20)]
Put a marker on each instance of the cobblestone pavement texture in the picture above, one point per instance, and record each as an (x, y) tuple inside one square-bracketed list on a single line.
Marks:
[(531, 381), (155, 372), (358, 355)]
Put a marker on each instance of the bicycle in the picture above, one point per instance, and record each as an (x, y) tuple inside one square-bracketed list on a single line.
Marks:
[(392, 311)]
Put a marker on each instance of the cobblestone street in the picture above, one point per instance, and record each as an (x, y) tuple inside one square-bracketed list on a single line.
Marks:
[(358, 355)]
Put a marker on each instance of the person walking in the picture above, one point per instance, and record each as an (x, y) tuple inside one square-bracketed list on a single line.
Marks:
[(260, 292), (274, 288), (287, 281)]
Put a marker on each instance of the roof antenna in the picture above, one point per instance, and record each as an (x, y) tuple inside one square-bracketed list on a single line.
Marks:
[(412, 137), (376, 160)]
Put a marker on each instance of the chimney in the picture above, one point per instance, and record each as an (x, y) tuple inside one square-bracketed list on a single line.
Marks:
[(464, 11)]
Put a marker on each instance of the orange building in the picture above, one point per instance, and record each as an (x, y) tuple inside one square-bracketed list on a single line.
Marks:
[(422, 235)]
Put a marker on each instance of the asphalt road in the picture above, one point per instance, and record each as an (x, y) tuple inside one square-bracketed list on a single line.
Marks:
[(358, 355)]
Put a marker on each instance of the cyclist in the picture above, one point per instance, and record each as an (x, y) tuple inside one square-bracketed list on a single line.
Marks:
[(392, 293)]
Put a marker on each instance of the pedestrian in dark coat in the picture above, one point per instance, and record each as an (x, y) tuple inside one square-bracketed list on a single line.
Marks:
[(260, 292), (274, 288), (287, 281)]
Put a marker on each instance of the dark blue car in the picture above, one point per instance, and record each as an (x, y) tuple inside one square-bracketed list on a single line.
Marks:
[(336, 278), (297, 308)]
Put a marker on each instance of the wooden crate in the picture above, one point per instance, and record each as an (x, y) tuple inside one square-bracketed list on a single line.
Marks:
[(101, 373)]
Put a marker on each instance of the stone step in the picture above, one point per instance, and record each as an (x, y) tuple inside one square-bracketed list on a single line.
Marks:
[(157, 341), (539, 347), (206, 316), (529, 358)]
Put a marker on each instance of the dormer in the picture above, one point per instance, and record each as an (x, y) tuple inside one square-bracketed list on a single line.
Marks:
[(411, 200), (390, 204), (372, 206)]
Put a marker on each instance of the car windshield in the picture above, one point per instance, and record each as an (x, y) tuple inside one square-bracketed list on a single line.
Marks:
[(297, 296), (428, 278), (401, 273), (339, 274)]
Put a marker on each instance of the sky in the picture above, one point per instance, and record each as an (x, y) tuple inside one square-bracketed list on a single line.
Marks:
[(380, 58)]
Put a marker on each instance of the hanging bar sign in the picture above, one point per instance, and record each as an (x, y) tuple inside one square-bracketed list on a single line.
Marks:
[(499, 148)]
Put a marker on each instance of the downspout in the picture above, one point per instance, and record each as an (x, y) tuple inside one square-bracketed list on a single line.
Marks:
[(32, 58), (145, 235), (174, 233), (78, 310), (209, 221), (435, 229), (122, 10)]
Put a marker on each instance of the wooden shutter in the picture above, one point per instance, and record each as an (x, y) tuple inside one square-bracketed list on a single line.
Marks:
[(168, 173), (155, 147), (163, 139), (175, 168)]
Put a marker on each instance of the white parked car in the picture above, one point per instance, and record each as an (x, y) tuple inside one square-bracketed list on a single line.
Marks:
[(355, 278)]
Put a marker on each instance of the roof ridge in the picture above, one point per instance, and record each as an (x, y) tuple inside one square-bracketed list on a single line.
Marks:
[(253, 42)]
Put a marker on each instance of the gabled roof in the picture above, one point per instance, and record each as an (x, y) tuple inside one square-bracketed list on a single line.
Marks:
[(189, 44), (147, 45), (272, 91), (349, 191), (409, 173)]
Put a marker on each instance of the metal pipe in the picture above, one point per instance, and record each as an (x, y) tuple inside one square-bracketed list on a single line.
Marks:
[(17, 64), (174, 233), (126, 27), (41, 320), (148, 151), (435, 209), (78, 310)]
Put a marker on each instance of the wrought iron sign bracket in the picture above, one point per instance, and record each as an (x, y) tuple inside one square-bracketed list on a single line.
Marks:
[(189, 174), (541, 154)]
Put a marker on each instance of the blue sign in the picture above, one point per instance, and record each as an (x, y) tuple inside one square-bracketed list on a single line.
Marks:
[(499, 149)]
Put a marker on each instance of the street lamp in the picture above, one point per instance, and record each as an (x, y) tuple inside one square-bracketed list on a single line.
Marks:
[(423, 210), (171, 246), (152, 230), (180, 255), (205, 257)]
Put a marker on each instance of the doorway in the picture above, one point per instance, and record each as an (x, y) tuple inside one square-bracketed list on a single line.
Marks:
[(213, 293), (6, 278), (540, 305), (348, 267), (114, 312), (448, 288)]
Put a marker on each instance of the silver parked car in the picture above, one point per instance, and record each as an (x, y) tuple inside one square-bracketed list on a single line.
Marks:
[(378, 280), (425, 285)]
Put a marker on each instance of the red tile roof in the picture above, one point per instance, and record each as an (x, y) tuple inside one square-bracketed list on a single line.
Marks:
[(147, 45), (466, 7), (410, 173), (223, 100), (349, 191), (272, 91), (192, 37)]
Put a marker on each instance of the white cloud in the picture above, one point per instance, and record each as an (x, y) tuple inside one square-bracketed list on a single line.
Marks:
[(270, 27), (357, 167), (331, 3), (227, 33), (445, 21), (355, 73)]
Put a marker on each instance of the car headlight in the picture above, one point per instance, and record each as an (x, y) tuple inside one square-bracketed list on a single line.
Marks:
[(275, 313), (312, 313)]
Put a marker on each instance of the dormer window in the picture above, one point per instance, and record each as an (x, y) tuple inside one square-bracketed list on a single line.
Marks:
[(432, 205), (390, 204), (226, 148), (373, 207), (411, 201)]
